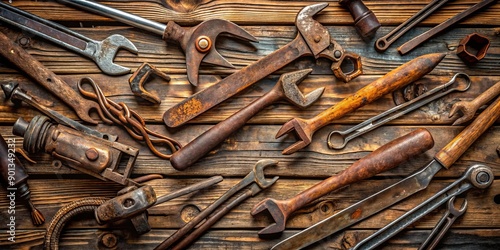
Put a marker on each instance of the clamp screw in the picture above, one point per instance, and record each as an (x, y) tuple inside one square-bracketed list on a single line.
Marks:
[(482, 177), (317, 38), (203, 44), (92, 154)]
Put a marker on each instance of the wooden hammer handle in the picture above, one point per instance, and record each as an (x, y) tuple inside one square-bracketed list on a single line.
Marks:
[(453, 150), (384, 158)]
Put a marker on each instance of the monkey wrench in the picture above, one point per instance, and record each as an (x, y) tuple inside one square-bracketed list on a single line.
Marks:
[(312, 39), (197, 42)]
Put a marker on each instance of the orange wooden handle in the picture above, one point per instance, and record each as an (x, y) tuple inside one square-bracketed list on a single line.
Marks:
[(451, 152)]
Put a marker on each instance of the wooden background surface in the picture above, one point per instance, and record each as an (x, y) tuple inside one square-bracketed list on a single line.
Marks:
[(272, 22)]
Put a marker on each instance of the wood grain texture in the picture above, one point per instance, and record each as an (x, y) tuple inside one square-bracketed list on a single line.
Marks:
[(272, 22)]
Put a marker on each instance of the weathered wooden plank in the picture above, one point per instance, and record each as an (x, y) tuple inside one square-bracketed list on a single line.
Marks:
[(268, 12), (237, 155)]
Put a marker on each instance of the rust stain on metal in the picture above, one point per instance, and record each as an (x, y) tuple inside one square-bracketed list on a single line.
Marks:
[(356, 213)]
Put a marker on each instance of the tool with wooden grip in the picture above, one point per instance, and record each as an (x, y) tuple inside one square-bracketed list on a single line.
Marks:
[(42, 75), (398, 191), (401, 76), (384, 158), (468, 109)]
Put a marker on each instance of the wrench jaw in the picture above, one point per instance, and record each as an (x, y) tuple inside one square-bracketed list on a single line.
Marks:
[(106, 51), (276, 211), (259, 176), (316, 35), (465, 109), (289, 83), (301, 128)]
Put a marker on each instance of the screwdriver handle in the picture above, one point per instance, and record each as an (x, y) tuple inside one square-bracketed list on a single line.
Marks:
[(453, 150)]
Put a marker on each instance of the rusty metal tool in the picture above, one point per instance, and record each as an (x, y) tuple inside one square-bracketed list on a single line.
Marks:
[(445, 223), (89, 154), (255, 178), (416, 41), (197, 42), (42, 75), (401, 76), (478, 176), (285, 88), (139, 78), (445, 158), (384, 42), (384, 158), (14, 178), (338, 139), (17, 95), (312, 39), (468, 109), (101, 52), (365, 21), (472, 48)]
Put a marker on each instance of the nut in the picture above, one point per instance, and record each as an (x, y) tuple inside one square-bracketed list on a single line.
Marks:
[(473, 48)]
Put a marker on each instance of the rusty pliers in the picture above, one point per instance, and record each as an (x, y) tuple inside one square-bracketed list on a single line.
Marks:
[(197, 42)]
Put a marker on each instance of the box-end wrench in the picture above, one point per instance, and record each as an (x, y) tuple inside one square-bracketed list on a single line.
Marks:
[(312, 39), (401, 76), (398, 191), (478, 176), (42, 75), (198, 42), (339, 139), (101, 52), (468, 109)]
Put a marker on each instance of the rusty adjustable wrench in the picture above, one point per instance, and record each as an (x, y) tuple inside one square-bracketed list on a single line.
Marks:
[(285, 88), (393, 80), (101, 52), (42, 75), (384, 158), (469, 109), (312, 39), (197, 42)]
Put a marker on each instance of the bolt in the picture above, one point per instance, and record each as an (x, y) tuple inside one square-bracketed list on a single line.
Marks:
[(203, 44), (92, 154), (482, 177), (23, 41), (109, 240), (337, 54), (317, 38)]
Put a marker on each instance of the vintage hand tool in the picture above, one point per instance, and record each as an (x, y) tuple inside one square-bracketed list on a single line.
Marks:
[(89, 154), (17, 95), (131, 203), (338, 139), (398, 191), (197, 42), (384, 42), (285, 88), (14, 178), (365, 21), (416, 41), (312, 39), (139, 78), (29, 65), (256, 178), (384, 158), (468, 109), (445, 223), (404, 74), (472, 48), (101, 52), (478, 176)]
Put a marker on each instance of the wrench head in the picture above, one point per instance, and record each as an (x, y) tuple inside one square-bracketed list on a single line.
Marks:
[(199, 45), (303, 131), (289, 83), (106, 51), (467, 110), (316, 35), (276, 211), (259, 176)]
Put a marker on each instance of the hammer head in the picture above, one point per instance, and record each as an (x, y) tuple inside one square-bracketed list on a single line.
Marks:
[(289, 83), (106, 52)]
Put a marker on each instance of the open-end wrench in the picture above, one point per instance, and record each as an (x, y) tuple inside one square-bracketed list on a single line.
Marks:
[(13, 92), (197, 42), (285, 88), (312, 39), (416, 41), (401, 76), (468, 109), (338, 139), (255, 176), (478, 176), (101, 52), (444, 224), (42, 75), (389, 196), (384, 42), (384, 158)]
